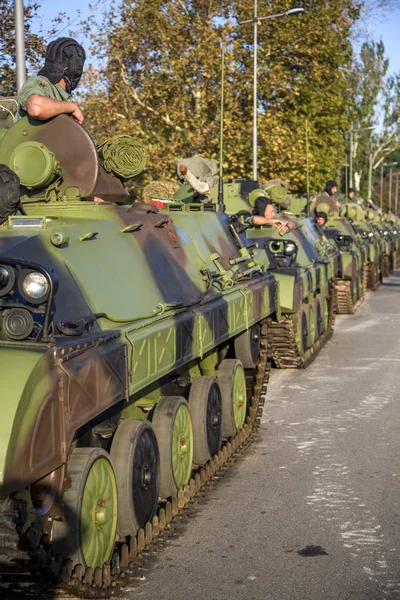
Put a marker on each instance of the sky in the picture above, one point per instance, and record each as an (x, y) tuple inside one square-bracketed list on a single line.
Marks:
[(386, 27)]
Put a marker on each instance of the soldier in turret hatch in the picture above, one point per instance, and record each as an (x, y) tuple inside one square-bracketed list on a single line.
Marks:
[(264, 214), (10, 201), (327, 198), (49, 93)]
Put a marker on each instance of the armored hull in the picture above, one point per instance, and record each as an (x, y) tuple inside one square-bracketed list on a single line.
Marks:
[(133, 356)]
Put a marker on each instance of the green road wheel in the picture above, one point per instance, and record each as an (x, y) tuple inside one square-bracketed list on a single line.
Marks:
[(311, 327), (87, 533), (301, 332), (232, 381), (172, 425), (326, 314), (320, 324), (247, 347), (206, 409), (134, 452)]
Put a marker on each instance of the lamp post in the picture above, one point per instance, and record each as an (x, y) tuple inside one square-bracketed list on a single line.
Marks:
[(256, 21), (397, 195), (352, 131), (19, 43)]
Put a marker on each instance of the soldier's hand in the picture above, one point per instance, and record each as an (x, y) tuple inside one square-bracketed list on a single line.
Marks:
[(77, 114), (183, 170)]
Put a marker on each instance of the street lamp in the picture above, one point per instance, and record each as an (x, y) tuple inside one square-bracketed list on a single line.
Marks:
[(352, 130), (371, 168), (255, 20)]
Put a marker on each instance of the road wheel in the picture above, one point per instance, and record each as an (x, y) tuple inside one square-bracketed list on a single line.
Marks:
[(232, 381), (172, 425), (326, 314), (301, 333), (87, 533), (311, 327), (134, 452), (205, 407), (247, 347)]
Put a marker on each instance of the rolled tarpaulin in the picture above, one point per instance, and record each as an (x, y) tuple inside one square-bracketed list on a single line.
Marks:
[(123, 156)]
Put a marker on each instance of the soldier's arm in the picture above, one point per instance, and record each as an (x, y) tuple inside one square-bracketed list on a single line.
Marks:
[(42, 108)]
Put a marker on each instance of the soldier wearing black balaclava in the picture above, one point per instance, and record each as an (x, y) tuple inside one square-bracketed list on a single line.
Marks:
[(49, 93), (327, 198), (10, 201)]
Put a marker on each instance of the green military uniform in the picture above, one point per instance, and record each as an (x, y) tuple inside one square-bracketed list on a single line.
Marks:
[(41, 86)]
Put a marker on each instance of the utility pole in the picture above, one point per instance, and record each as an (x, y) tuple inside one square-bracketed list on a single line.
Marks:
[(19, 43), (382, 186), (397, 195)]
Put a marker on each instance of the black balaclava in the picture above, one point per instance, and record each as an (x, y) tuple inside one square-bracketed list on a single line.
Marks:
[(321, 214), (64, 60), (10, 201), (328, 188), (260, 205)]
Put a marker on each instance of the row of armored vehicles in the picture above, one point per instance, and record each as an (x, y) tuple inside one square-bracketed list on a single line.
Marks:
[(135, 340)]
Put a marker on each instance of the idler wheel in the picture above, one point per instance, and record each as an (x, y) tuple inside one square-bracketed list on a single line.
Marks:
[(232, 381), (87, 533), (172, 425), (135, 456), (206, 409)]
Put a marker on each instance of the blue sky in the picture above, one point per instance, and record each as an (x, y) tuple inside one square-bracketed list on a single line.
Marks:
[(386, 27)]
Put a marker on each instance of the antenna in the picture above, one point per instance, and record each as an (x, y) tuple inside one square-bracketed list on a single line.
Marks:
[(221, 205), (307, 171)]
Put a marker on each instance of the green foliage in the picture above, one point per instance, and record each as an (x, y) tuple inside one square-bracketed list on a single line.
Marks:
[(160, 81), (34, 44)]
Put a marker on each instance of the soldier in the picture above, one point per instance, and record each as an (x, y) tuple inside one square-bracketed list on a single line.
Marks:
[(264, 214), (49, 93), (10, 201), (327, 198), (351, 196)]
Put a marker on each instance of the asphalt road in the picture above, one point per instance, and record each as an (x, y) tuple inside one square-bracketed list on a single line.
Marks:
[(312, 511)]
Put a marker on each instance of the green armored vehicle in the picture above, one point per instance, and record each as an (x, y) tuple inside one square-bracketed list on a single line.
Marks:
[(368, 240), (301, 260), (388, 248), (132, 346)]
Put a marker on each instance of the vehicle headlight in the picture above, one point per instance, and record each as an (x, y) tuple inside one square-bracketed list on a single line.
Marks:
[(33, 286), (7, 279), (385, 232), (370, 234), (290, 249)]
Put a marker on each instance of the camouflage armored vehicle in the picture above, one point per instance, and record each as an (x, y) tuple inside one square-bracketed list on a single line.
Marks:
[(368, 240), (132, 348), (302, 262), (388, 248), (351, 283)]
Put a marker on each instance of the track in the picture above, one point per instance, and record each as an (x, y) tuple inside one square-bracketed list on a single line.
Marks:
[(282, 344), (38, 573), (343, 296)]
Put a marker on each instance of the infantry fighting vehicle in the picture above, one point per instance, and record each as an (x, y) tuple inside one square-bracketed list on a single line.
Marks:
[(302, 262), (132, 347), (368, 240)]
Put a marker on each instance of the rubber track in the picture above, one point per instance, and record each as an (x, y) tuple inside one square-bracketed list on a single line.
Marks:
[(372, 283), (40, 574), (343, 298), (282, 345)]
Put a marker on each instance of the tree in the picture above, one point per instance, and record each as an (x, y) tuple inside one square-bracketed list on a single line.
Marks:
[(160, 80), (34, 44)]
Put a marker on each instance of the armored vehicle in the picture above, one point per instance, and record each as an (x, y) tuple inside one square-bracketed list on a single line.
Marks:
[(302, 262), (388, 248), (132, 349), (368, 240)]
